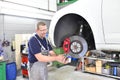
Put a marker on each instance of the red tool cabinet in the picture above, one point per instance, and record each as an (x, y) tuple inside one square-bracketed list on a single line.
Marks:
[(24, 65)]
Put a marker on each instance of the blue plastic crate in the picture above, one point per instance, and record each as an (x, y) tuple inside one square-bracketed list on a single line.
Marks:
[(11, 71)]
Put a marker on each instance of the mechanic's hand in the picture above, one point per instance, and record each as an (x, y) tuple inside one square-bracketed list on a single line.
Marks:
[(62, 59)]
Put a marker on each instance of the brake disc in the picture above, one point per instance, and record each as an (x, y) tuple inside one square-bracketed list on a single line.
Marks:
[(78, 46)]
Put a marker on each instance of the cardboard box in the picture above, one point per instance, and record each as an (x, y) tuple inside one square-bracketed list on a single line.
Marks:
[(88, 54), (98, 63), (86, 61), (90, 69), (98, 66), (98, 70)]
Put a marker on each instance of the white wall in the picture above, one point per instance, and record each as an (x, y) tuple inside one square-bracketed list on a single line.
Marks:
[(1, 27), (11, 25)]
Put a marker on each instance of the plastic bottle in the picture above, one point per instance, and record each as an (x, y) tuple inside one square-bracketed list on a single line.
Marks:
[(115, 71)]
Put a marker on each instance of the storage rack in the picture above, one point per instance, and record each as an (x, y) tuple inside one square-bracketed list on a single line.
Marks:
[(103, 60)]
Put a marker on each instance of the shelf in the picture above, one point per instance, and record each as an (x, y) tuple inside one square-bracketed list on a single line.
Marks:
[(66, 3), (117, 77), (110, 60)]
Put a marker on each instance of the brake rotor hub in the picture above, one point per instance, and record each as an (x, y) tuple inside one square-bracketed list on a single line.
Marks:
[(76, 47)]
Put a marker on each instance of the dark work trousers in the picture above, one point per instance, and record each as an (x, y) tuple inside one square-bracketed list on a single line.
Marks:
[(38, 71)]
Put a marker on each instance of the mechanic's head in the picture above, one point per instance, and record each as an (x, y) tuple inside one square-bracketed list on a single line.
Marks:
[(41, 29)]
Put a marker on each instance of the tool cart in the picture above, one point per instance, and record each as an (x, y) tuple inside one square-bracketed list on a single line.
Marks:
[(24, 58)]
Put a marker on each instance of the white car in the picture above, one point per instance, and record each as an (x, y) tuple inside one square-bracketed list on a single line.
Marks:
[(87, 25)]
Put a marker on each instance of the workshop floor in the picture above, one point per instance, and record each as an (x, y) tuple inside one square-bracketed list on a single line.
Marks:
[(68, 73)]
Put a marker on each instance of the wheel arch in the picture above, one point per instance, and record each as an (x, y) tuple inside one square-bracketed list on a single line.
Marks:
[(70, 24)]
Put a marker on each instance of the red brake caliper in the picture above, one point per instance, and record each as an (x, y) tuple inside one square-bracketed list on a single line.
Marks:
[(66, 45)]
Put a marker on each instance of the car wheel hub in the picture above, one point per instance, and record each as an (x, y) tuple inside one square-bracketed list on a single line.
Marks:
[(76, 47)]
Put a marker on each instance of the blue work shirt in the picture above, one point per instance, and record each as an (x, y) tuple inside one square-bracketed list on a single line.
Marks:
[(34, 47)]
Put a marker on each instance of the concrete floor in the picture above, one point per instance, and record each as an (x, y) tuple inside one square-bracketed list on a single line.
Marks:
[(68, 73)]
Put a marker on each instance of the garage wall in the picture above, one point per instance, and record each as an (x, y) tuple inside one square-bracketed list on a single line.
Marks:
[(1, 27), (17, 25), (31, 12), (11, 25)]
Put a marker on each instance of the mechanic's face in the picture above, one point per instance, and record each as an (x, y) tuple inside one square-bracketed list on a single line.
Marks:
[(42, 31)]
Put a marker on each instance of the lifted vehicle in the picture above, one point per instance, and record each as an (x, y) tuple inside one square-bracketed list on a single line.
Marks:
[(87, 25)]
